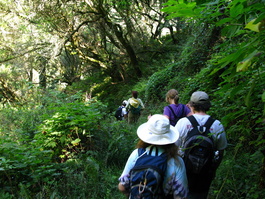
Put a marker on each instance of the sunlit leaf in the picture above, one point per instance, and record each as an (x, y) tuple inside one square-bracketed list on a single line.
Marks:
[(243, 66), (253, 26), (76, 142), (182, 9)]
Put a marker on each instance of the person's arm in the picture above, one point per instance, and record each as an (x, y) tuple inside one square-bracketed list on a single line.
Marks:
[(220, 158), (190, 113), (124, 112), (221, 141), (125, 176), (176, 183), (166, 112), (127, 105), (141, 103), (187, 110)]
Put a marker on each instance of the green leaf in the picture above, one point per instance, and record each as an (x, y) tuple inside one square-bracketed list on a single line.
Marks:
[(63, 139), (181, 9), (76, 142), (248, 99), (52, 144), (224, 21), (236, 10), (253, 26), (243, 65)]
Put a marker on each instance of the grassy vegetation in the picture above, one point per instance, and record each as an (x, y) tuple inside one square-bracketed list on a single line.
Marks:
[(73, 149)]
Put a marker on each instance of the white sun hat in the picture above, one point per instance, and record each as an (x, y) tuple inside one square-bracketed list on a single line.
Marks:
[(125, 102), (157, 130)]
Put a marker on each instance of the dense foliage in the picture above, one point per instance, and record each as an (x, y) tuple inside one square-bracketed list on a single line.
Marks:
[(67, 65)]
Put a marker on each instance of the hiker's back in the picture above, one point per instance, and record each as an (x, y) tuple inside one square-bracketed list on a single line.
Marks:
[(153, 169), (135, 106), (121, 112), (175, 112), (199, 150), (147, 175), (198, 141)]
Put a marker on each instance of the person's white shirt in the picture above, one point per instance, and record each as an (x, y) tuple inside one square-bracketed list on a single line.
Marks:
[(184, 126), (123, 112)]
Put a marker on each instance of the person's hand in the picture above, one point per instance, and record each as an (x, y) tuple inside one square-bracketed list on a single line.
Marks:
[(149, 116)]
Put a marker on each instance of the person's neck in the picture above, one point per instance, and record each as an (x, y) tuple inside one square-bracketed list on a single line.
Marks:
[(171, 101), (199, 113)]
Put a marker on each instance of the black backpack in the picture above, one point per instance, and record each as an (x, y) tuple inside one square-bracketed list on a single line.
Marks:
[(177, 117), (118, 113), (199, 147), (147, 176)]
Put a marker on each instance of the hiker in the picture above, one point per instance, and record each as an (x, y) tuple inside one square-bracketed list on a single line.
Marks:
[(124, 111), (121, 112), (174, 111), (134, 107), (156, 144), (201, 175)]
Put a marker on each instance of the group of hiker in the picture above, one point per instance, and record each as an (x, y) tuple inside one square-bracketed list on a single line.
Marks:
[(178, 151), (130, 110)]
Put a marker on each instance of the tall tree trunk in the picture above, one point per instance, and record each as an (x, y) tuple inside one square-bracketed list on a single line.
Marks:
[(117, 29)]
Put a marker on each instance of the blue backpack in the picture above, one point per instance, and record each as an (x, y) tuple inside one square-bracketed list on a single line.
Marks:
[(147, 176), (118, 113)]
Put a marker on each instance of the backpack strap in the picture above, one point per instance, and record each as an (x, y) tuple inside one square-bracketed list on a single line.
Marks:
[(193, 121), (142, 151), (153, 148), (209, 122), (202, 129), (182, 112)]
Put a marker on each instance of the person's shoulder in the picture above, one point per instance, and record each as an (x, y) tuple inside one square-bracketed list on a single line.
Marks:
[(176, 162), (171, 107), (183, 123), (184, 120), (167, 106), (217, 123), (216, 120), (200, 117), (185, 107), (135, 153)]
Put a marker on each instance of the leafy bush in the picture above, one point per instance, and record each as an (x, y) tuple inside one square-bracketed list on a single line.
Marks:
[(121, 141), (22, 164), (158, 83), (20, 122), (239, 180), (71, 129)]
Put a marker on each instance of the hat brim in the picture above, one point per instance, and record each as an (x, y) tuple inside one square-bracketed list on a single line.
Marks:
[(162, 139)]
